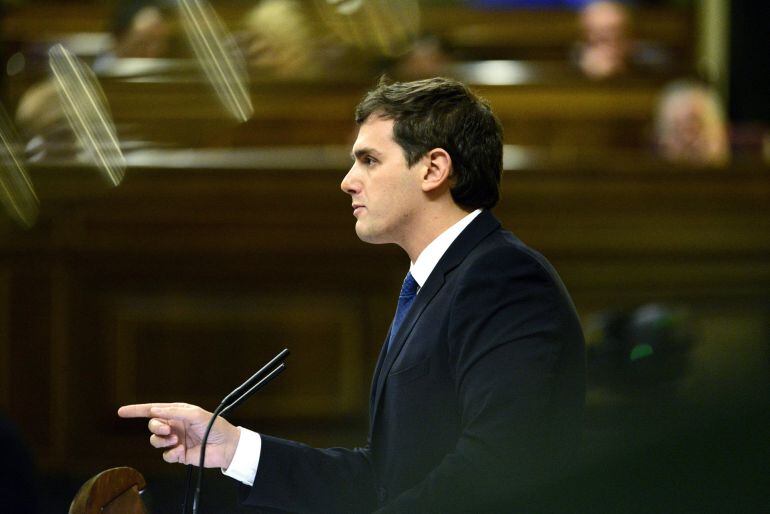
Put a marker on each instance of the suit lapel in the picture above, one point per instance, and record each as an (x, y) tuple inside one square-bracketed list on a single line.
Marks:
[(457, 251)]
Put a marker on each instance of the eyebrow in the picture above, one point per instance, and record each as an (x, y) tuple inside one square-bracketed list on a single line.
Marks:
[(364, 151)]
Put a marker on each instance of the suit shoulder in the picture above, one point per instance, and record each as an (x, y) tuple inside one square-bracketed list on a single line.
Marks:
[(501, 265), (503, 250)]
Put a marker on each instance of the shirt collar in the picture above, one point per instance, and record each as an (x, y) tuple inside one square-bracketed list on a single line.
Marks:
[(429, 257)]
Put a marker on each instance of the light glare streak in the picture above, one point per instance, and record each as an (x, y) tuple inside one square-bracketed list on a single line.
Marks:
[(85, 106), (16, 191), (218, 55)]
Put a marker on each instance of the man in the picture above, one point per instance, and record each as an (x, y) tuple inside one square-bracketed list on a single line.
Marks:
[(479, 389), (607, 45)]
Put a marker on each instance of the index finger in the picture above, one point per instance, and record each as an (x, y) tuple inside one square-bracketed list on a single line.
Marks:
[(141, 410)]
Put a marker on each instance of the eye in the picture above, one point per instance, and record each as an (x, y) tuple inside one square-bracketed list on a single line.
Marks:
[(368, 160), (364, 159)]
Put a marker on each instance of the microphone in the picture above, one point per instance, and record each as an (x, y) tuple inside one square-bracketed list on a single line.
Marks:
[(240, 394)]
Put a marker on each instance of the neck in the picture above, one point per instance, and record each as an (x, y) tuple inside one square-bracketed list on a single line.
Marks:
[(433, 222)]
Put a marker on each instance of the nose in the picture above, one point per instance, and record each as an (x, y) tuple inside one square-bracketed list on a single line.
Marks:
[(349, 184)]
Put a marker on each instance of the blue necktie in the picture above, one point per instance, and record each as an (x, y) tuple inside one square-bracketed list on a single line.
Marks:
[(405, 300)]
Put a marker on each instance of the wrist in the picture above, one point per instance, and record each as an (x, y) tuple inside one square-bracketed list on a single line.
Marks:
[(231, 446)]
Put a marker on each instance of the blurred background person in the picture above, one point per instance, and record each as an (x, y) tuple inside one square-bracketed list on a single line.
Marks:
[(606, 43), (140, 29), (690, 125), (288, 40), (608, 46), (427, 57), (281, 41), (40, 118)]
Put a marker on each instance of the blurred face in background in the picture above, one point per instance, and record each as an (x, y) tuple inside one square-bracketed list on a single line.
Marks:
[(606, 39), (149, 36), (691, 128)]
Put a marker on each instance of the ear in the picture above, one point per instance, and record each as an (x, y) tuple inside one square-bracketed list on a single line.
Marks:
[(438, 170)]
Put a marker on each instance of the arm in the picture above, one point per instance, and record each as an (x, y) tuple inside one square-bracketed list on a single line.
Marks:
[(510, 323), (295, 477)]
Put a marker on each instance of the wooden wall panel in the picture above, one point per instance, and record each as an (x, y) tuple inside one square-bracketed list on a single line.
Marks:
[(63, 422), (165, 333), (202, 346), (27, 329)]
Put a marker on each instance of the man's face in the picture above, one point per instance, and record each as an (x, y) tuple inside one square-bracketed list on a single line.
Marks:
[(386, 192)]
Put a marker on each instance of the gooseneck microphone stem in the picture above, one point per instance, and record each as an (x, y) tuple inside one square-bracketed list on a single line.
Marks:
[(188, 483), (256, 382), (257, 377), (196, 497), (256, 387)]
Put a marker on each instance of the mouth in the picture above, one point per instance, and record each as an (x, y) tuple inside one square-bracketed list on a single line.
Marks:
[(357, 208)]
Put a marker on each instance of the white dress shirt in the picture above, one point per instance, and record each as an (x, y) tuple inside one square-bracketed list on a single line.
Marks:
[(246, 458)]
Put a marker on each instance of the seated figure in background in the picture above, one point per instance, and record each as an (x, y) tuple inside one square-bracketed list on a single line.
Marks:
[(690, 125), (606, 39), (292, 40), (141, 29), (608, 47), (280, 41), (426, 57)]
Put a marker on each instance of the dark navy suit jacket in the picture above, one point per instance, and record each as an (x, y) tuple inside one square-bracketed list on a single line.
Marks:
[(477, 406)]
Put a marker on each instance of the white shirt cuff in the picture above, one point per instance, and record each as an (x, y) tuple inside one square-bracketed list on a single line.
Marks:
[(245, 461)]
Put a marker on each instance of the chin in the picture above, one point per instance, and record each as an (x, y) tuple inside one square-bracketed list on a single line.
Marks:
[(365, 236), (368, 235)]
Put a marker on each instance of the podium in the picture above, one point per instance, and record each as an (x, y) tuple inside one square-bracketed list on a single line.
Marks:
[(114, 491)]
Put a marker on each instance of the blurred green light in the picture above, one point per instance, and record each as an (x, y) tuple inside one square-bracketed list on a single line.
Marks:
[(641, 351)]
